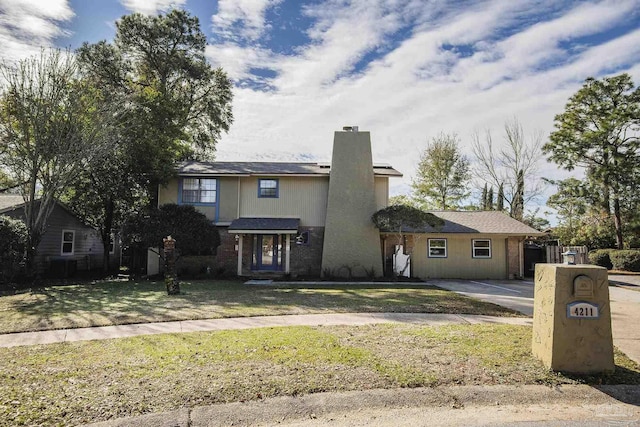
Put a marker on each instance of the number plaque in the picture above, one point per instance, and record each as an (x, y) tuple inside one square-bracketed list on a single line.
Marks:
[(582, 310)]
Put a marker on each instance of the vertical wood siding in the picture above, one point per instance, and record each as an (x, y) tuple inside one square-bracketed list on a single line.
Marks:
[(382, 192), (87, 248), (228, 198), (298, 197), (459, 263), (168, 193)]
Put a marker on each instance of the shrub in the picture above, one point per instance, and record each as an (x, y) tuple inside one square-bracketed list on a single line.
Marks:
[(626, 260), (601, 257), (196, 267), (13, 241)]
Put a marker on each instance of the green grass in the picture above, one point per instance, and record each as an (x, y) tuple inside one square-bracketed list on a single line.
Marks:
[(75, 383), (122, 302)]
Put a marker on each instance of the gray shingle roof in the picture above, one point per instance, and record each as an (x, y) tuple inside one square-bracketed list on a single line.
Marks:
[(264, 224), (8, 201), (268, 168), (484, 222)]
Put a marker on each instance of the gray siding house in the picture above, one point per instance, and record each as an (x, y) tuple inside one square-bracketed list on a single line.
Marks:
[(68, 245)]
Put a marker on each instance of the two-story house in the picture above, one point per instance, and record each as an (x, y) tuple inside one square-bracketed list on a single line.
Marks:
[(301, 218), (315, 219)]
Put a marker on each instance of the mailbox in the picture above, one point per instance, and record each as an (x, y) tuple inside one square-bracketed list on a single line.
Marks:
[(572, 318)]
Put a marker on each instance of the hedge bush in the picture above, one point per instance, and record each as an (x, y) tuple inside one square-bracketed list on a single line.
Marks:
[(199, 267), (13, 241), (601, 257), (626, 260)]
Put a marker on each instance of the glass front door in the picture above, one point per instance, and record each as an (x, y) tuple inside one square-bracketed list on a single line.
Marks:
[(267, 252)]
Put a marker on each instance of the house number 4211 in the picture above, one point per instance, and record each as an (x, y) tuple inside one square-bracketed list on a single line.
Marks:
[(582, 310)]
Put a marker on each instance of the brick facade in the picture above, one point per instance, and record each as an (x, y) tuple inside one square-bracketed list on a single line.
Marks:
[(306, 260), (226, 254), (513, 257)]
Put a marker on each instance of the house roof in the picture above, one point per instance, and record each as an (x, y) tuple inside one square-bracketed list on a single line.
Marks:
[(10, 201), (268, 168), (261, 225), (481, 222)]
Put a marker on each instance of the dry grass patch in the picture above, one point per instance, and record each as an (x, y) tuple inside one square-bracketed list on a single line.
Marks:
[(74, 383), (116, 303)]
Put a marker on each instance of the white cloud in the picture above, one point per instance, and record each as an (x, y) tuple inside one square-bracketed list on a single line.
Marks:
[(419, 88), (28, 25), (242, 19), (151, 7)]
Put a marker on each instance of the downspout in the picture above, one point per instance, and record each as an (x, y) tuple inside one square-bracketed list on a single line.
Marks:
[(521, 256), (240, 239)]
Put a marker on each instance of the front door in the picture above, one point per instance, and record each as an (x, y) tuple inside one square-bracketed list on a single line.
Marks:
[(267, 252)]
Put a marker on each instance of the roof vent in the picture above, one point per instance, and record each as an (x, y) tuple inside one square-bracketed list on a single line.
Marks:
[(350, 128)]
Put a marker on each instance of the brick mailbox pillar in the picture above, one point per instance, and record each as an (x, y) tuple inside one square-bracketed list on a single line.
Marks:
[(572, 318), (170, 273)]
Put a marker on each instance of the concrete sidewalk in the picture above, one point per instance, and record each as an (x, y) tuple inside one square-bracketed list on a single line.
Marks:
[(123, 331)]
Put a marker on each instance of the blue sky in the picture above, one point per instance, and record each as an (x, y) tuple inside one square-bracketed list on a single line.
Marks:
[(405, 70)]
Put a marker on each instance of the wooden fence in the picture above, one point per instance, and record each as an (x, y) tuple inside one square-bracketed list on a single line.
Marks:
[(554, 254)]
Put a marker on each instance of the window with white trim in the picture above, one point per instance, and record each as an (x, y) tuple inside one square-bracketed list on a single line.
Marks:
[(268, 188), (199, 190), (481, 248), (437, 248), (68, 242)]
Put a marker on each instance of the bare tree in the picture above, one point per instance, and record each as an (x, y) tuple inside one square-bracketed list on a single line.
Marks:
[(512, 166), (49, 125)]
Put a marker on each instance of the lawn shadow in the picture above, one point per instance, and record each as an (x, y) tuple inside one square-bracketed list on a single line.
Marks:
[(622, 385), (122, 302)]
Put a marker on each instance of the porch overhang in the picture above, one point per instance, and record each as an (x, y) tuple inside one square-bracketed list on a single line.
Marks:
[(264, 226)]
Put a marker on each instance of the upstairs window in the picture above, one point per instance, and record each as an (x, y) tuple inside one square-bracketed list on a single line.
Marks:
[(482, 248), (437, 248), (268, 188), (199, 190), (68, 241)]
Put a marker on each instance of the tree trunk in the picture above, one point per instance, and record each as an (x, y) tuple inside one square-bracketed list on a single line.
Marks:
[(106, 235), (617, 219)]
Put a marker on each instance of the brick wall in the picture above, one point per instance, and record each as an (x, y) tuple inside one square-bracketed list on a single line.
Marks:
[(226, 255), (306, 260), (513, 257)]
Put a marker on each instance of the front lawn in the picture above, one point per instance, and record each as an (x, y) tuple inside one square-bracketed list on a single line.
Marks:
[(81, 382), (122, 302)]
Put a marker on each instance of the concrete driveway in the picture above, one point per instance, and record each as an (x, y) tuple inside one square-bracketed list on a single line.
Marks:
[(514, 294), (518, 295)]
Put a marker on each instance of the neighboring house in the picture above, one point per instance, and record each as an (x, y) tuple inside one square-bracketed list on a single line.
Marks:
[(67, 245), (470, 245), (315, 219)]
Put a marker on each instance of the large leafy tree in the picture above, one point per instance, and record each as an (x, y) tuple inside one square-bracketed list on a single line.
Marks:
[(174, 106), (443, 172), (193, 232), (182, 104), (598, 131), (51, 129), (511, 166)]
